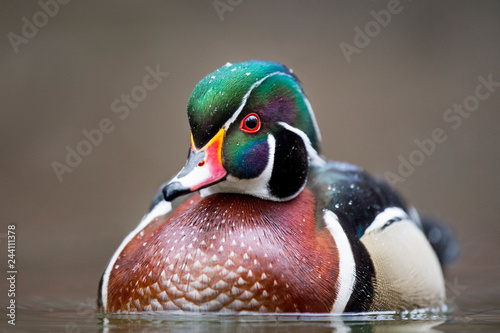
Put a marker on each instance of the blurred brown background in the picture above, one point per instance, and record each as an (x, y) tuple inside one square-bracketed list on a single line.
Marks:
[(396, 89)]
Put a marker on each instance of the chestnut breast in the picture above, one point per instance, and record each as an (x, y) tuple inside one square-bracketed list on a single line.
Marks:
[(229, 252)]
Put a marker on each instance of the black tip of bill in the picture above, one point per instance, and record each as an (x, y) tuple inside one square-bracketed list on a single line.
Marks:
[(174, 190)]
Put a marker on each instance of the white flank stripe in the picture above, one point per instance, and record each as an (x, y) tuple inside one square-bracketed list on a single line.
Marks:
[(162, 208), (347, 266), (388, 214)]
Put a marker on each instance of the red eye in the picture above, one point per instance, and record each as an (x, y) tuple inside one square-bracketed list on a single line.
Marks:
[(251, 123)]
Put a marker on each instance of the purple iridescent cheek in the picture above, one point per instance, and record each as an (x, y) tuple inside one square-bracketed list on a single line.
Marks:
[(279, 109), (244, 158)]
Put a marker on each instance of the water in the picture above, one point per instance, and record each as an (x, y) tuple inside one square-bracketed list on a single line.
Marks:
[(64, 300), (63, 316)]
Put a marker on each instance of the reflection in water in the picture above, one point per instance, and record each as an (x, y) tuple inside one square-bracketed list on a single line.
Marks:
[(76, 317), (181, 322)]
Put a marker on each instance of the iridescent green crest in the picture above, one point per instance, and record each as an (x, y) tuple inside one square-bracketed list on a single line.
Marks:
[(253, 86)]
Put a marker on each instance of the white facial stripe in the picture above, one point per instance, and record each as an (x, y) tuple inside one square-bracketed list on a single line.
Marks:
[(313, 117), (162, 208), (255, 186), (245, 98), (347, 266), (314, 157), (388, 214)]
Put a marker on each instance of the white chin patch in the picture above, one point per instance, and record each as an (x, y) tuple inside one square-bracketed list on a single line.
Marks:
[(257, 187)]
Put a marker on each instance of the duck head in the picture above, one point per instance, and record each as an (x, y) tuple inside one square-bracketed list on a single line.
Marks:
[(252, 132)]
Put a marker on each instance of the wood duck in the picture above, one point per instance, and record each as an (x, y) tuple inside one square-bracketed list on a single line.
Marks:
[(258, 221)]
